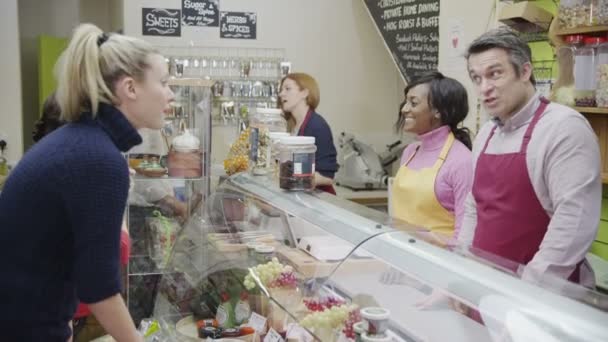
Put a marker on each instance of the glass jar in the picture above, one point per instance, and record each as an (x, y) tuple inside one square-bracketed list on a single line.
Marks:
[(579, 13), (262, 122), (297, 163), (185, 158), (273, 151), (601, 91), (585, 61)]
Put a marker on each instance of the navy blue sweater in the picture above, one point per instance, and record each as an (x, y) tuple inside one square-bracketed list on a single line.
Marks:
[(60, 218), (325, 157)]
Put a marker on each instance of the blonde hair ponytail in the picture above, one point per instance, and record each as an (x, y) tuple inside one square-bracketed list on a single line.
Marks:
[(87, 70)]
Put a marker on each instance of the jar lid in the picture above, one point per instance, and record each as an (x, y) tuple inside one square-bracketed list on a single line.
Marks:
[(300, 140), (254, 244), (186, 142), (264, 249), (375, 313), (376, 338), (574, 38), (595, 40), (269, 111), (278, 135), (360, 327)]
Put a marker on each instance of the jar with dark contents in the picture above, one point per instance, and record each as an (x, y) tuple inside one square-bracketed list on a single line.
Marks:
[(297, 163)]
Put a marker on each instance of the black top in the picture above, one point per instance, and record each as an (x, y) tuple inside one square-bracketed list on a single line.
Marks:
[(60, 218), (325, 158)]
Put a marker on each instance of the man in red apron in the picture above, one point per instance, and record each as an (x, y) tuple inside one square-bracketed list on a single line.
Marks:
[(536, 193)]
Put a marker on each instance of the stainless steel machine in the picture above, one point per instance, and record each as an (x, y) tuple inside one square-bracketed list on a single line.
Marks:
[(361, 168)]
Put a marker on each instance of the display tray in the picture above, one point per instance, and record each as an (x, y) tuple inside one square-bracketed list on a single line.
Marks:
[(187, 328)]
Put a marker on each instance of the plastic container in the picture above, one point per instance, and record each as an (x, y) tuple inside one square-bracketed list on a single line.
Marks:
[(601, 91), (264, 254), (585, 61), (273, 151), (365, 337), (579, 13), (360, 328), (251, 246), (262, 122), (297, 163), (377, 319)]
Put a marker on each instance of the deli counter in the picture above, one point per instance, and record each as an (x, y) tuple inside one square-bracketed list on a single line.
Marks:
[(257, 263)]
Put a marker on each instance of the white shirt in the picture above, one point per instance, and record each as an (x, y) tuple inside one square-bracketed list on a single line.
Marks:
[(563, 161)]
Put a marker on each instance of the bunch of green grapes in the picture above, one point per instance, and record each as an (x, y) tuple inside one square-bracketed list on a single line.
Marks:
[(267, 273), (333, 318)]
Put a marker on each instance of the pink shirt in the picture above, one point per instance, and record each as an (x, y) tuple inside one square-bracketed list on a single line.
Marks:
[(455, 177), (564, 164)]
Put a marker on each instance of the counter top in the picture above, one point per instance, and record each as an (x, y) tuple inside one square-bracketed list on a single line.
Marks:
[(364, 197), (421, 325)]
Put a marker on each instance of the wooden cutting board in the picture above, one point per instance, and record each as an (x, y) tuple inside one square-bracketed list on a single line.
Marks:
[(310, 267)]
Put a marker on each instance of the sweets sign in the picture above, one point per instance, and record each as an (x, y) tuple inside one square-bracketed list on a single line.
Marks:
[(200, 13), (161, 22), (410, 29), (238, 25)]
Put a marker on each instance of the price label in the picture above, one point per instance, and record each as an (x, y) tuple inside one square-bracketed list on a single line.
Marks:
[(257, 322), (273, 336)]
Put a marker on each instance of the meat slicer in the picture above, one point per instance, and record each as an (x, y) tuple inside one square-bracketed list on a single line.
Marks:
[(361, 168)]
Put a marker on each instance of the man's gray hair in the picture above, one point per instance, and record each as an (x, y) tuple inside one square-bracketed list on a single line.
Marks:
[(508, 40)]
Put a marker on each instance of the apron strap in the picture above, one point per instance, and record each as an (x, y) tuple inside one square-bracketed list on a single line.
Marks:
[(409, 159), (442, 155), (444, 152), (524, 145)]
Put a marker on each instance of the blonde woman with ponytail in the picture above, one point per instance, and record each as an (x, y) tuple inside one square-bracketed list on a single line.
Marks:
[(61, 208)]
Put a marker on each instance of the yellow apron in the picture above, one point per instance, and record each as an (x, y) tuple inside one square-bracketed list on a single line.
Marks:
[(413, 196)]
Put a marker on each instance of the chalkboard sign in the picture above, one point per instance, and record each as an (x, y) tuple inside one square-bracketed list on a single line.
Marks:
[(161, 22), (200, 13), (238, 25), (410, 29)]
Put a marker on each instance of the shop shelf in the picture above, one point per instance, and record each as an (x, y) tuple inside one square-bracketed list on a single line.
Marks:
[(591, 110), (582, 30)]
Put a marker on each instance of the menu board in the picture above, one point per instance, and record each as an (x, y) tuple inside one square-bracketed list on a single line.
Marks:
[(200, 13), (410, 29)]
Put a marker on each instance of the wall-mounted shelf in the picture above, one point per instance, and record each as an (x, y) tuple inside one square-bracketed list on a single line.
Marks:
[(591, 110), (582, 30)]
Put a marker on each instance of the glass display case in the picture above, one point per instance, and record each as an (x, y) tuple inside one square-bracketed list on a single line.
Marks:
[(257, 263), (171, 178)]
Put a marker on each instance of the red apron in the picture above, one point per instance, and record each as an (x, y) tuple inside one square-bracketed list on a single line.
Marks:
[(511, 222), (327, 188)]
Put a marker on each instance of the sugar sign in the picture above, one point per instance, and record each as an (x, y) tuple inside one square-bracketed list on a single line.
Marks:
[(238, 25), (200, 13), (161, 22)]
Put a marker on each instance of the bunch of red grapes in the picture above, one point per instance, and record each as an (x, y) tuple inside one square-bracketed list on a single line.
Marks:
[(323, 304)]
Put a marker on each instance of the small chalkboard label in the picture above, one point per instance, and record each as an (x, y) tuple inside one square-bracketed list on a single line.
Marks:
[(238, 25), (201, 13), (161, 22)]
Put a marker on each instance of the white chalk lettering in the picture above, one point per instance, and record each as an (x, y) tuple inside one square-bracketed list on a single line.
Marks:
[(152, 20), (425, 8), (232, 19)]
